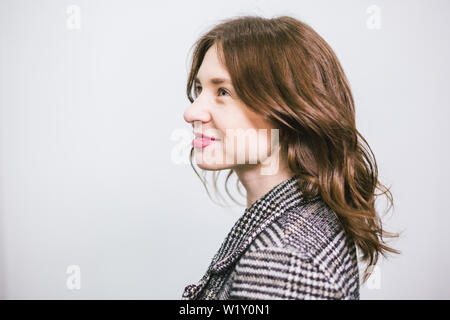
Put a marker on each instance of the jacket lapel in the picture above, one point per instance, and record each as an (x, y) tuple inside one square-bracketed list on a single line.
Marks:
[(255, 219)]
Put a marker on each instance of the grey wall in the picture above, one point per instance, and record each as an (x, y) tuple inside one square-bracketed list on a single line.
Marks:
[(89, 119)]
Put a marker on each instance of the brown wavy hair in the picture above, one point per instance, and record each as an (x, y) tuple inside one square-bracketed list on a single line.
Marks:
[(282, 69)]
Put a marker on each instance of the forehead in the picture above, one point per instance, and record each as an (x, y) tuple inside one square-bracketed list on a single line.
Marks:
[(211, 66)]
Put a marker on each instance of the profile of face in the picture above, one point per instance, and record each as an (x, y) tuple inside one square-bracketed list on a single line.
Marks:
[(242, 137)]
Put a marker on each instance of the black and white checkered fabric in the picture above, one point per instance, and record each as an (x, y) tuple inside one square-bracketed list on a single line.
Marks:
[(282, 247)]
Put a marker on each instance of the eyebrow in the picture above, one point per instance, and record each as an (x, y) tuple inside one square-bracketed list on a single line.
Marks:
[(214, 80)]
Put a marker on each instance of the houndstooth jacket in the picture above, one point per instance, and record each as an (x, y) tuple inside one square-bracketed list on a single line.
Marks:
[(282, 247)]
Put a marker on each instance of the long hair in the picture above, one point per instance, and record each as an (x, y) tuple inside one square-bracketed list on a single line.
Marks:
[(282, 69)]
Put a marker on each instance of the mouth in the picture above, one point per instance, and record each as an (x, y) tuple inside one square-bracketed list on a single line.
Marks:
[(204, 137), (202, 140), (201, 143)]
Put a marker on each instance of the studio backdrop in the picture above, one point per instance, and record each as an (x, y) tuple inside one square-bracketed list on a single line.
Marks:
[(97, 196)]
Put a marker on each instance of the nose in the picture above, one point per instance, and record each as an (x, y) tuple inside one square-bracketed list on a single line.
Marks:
[(196, 112)]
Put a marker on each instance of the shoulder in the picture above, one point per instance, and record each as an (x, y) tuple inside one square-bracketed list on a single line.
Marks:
[(303, 254), (306, 229), (309, 230)]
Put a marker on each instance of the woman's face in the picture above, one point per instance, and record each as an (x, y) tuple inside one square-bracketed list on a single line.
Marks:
[(218, 112)]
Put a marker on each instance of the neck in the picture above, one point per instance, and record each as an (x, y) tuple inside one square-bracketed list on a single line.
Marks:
[(256, 184)]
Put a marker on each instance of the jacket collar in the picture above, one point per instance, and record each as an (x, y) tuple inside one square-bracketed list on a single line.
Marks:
[(255, 219)]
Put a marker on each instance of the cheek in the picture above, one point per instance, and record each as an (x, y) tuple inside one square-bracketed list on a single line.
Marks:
[(231, 120), (235, 119), (253, 142)]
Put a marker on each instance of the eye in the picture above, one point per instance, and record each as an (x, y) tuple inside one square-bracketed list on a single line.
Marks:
[(223, 90), (196, 93), (198, 88)]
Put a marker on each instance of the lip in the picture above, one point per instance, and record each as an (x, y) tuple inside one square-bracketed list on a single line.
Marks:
[(201, 143), (204, 136)]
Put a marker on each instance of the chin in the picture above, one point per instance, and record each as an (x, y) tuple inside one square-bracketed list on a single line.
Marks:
[(213, 166), (206, 161)]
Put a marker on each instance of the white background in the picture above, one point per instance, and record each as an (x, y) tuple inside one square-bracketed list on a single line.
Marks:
[(86, 118)]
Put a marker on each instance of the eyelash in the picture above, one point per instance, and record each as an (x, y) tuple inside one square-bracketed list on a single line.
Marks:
[(196, 87)]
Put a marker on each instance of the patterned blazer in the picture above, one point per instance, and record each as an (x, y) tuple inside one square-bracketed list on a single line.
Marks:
[(282, 247)]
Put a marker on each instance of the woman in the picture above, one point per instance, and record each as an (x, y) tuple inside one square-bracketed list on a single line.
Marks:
[(310, 184)]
